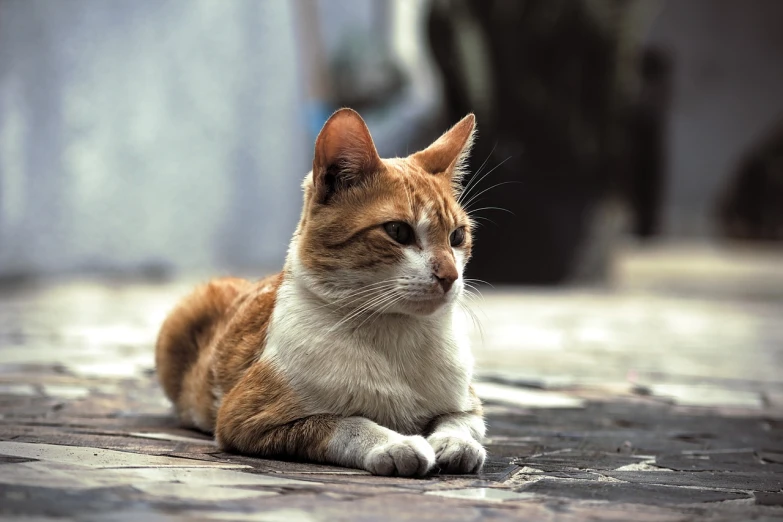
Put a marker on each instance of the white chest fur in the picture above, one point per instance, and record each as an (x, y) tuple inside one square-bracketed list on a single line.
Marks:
[(399, 371)]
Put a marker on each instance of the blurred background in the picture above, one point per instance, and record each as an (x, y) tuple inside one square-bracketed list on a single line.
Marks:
[(149, 138)]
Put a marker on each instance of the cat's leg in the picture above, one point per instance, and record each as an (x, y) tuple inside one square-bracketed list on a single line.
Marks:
[(455, 438), (361, 443), (262, 416)]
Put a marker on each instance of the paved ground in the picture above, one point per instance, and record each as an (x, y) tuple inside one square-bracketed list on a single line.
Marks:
[(658, 399)]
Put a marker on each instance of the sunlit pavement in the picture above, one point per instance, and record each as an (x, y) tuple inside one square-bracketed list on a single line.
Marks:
[(657, 398)]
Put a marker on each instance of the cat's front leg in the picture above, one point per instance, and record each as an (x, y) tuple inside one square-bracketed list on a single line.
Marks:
[(455, 438), (361, 443), (261, 416)]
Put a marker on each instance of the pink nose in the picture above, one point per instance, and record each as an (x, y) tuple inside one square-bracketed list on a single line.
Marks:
[(445, 273)]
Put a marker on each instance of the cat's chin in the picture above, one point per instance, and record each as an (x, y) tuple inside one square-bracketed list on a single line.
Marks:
[(424, 307)]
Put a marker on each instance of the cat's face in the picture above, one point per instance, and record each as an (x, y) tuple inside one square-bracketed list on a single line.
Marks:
[(384, 235)]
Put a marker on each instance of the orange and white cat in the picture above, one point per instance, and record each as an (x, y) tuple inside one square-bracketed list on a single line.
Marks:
[(352, 355)]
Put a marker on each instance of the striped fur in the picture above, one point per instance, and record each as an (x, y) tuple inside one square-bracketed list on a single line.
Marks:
[(353, 354)]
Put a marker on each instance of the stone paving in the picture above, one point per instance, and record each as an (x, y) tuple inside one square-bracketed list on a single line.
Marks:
[(652, 400)]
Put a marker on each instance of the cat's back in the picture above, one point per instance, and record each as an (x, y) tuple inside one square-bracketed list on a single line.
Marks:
[(206, 343), (242, 338), (190, 327)]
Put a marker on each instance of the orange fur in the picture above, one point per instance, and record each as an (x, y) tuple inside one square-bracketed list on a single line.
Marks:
[(210, 350), (209, 340)]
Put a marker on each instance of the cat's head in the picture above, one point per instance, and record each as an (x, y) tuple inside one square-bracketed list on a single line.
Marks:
[(387, 235)]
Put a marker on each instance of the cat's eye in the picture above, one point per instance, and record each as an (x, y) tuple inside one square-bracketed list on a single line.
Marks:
[(457, 237), (400, 232)]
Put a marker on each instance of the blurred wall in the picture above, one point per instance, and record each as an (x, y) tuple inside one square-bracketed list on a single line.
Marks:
[(138, 132), (176, 133), (728, 91)]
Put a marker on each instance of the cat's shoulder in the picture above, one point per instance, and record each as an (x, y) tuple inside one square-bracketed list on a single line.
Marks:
[(258, 296)]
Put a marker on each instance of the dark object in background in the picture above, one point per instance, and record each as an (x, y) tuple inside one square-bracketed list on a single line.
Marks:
[(751, 207), (646, 147), (553, 107)]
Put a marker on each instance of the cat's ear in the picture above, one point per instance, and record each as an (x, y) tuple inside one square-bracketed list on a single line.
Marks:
[(449, 153), (344, 154)]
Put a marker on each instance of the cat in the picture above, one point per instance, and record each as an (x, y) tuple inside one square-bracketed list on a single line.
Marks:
[(354, 354)]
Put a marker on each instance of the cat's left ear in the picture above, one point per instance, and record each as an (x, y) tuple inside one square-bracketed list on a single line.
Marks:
[(344, 154), (448, 154)]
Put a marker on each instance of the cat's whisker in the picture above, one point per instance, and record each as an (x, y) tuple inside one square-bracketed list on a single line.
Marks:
[(474, 280), (366, 293), (489, 208), (373, 312), (371, 304), (470, 291), (471, 211), (476, 310), (475, 185), (374, 287), (474, 289), (484, 163), (358, 295), (368, 296), (379, 311), (473, 295), (382, 311), (367, 287), (469, 300), (353, 314), (474, 318), (358, 311), (496, 185), (481, 218), (475, 178)]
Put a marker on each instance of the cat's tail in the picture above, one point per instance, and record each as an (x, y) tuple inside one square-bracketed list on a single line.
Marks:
[(190, 328)]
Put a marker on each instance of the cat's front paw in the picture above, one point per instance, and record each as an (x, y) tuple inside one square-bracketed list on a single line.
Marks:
[(457, 454), (405, 457)]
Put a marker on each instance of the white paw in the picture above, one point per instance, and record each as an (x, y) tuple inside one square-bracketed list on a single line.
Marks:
[(457, 454), (404, 457)]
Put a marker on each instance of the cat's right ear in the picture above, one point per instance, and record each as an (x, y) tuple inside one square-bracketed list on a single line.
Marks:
[(344, 154)]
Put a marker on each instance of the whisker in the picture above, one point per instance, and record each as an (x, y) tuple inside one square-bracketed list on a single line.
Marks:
[(475, 289), (482, 218), (379, 308), (375, 302), (361, 310), (465, 194), (367, 296), (476, 321), (473, 179), (474, 280), (363, 293), (473, 197), (490, 208), (377, 313)]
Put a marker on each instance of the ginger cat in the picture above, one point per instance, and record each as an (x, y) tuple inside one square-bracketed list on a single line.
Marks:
[(353, 354)]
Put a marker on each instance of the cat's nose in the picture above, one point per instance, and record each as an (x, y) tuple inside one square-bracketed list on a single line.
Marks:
[(445, 274), (445, 283)]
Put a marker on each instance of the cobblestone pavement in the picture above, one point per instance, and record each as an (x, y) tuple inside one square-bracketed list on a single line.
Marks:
[(660, 399)]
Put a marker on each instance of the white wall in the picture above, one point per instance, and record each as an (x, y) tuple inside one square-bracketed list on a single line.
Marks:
[(133, 132)]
